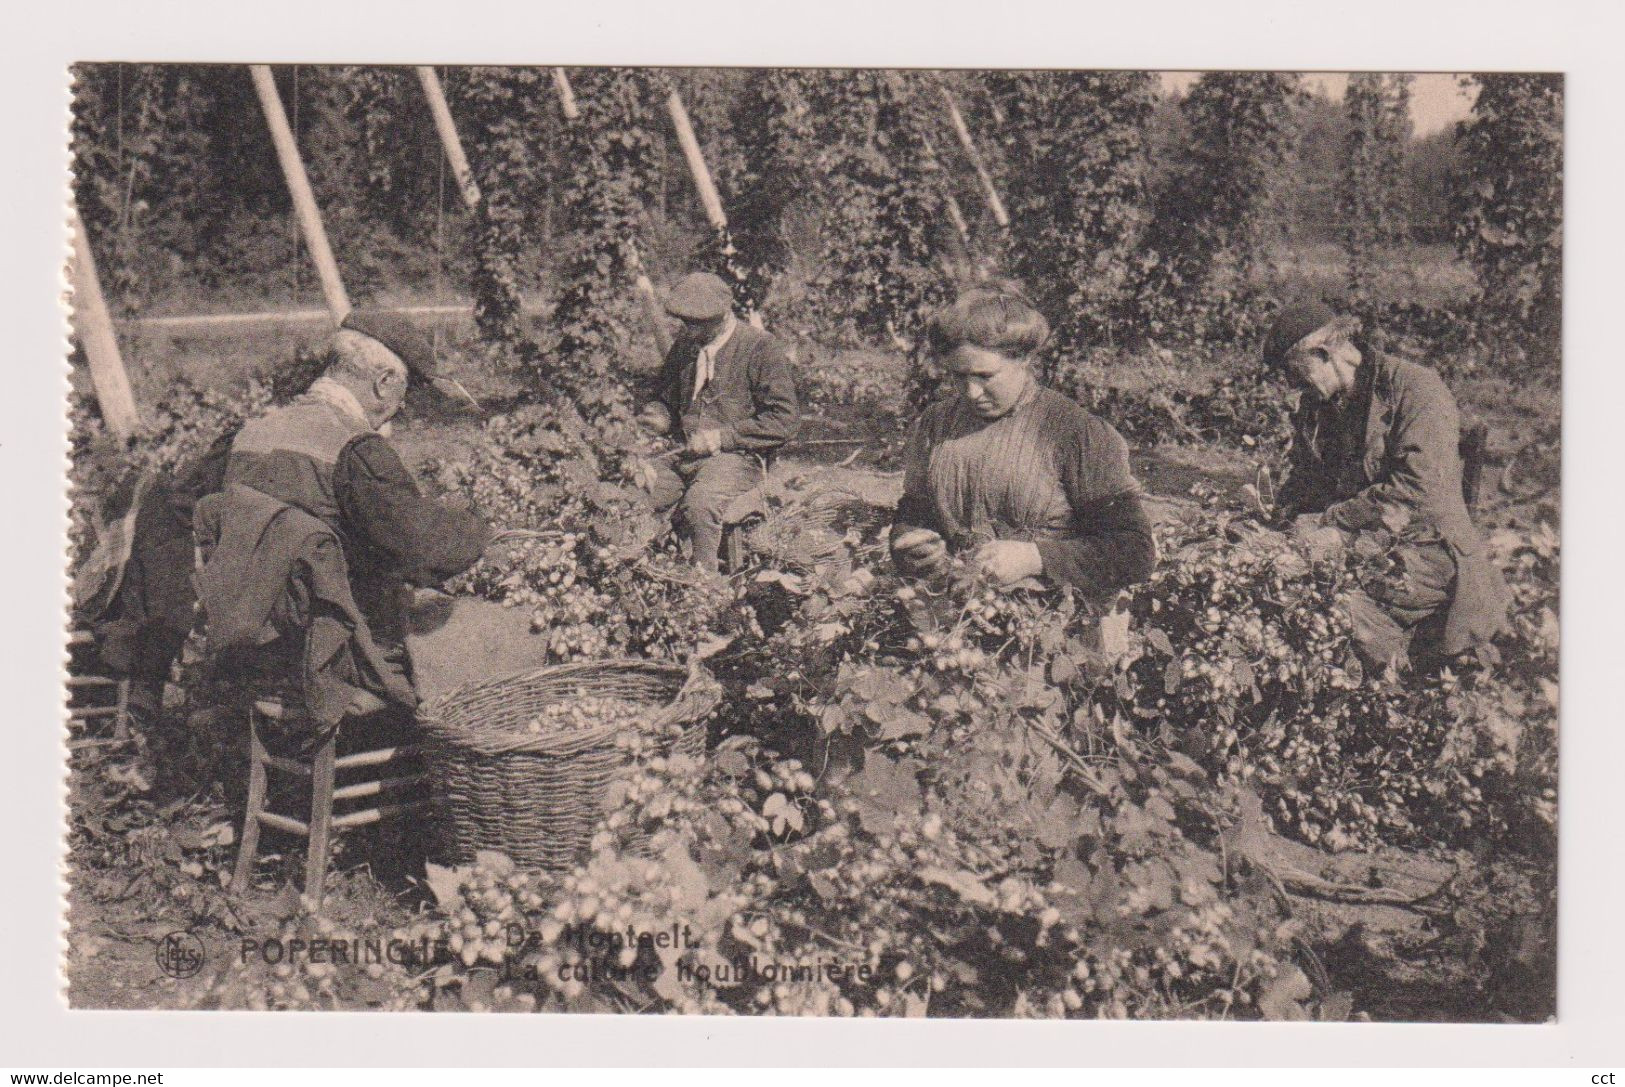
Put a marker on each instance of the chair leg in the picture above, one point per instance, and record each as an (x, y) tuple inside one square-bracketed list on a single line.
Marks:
[(121, 716), (250, 844), (321, 818)]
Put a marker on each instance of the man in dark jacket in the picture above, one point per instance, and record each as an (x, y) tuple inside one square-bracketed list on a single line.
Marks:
[(1375, 448), (327, 454), (727, 393), (140, 601)]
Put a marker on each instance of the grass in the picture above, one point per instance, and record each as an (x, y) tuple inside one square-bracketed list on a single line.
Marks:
[(1430, 275)]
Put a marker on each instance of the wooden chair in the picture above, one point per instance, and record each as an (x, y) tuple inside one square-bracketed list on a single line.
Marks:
[(321, 770), (104, 696)]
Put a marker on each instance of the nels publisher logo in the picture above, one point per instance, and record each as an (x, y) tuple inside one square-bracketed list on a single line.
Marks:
[(180, 954)]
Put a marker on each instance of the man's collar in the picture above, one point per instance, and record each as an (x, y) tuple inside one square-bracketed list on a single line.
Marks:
[(340, 399), (1365, 381), (723, 337)]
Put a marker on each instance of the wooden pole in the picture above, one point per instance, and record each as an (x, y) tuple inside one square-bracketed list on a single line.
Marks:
[(652, 309), (447, 128), (696, 162), (709, 198), (304, 200), (567, 96), (956, 214), (95, 328), (989, 192)]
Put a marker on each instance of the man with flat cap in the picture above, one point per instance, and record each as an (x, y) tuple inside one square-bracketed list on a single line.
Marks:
[(1376, 448), (326, 455), (728, 394)]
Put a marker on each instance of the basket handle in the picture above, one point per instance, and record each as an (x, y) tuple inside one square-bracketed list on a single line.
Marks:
[(698, 695)]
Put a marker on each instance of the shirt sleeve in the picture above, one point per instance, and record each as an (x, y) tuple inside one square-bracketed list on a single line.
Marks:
[(1419, 466), (915, 509), (777, 414), (203, 476), (662, 387), (420, 539), (1114, 546), (1307, 486)]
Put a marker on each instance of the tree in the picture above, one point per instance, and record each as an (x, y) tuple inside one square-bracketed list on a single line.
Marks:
[(180, 188), (168, 174), (768, 169), (1209, 240), (1509, 213), (1075, 167), (881, 210), (112, 148), (1431, 165), (1310, 195), (1371, 188), (509, 124), (609, 156)]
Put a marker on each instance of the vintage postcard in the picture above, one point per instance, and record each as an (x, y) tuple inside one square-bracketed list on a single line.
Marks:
[(933, 543)]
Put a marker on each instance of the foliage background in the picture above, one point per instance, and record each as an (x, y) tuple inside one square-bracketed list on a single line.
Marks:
[(1140, 216)]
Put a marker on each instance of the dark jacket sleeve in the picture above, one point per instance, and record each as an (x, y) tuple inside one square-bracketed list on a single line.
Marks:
[(420, 539), (1420, 473), (915, 509), (662, 388), (1306, 487), (1114, 546), (776, 408)]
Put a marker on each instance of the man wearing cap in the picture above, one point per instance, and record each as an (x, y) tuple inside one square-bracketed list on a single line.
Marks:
[(1375, 448), (326, 454), (727, 393)]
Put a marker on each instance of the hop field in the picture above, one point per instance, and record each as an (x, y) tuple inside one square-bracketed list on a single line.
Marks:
[(976, 800), (938, 799)]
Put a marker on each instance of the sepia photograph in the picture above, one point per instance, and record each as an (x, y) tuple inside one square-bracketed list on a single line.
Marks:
[(830, 542)]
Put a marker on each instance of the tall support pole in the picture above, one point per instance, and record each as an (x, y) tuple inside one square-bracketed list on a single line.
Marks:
[(447, 128), (652, 310), (989, 192), (95, 328), (304, 200), (567, 95), (709, 199)]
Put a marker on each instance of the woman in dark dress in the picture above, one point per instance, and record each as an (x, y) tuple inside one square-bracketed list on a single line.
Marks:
[(1016, 477)]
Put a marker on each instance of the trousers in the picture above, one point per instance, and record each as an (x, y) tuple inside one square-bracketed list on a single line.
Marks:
[(697, 493), (1395, 613)]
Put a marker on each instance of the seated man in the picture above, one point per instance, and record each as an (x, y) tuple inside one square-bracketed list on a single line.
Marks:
[(1375, 446), (727, 392), (135, 591), (325, 455)]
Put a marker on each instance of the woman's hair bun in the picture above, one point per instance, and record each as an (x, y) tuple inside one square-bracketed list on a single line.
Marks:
[(997, 316)]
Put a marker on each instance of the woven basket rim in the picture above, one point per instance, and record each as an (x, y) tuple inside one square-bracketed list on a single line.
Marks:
[(697, 694)]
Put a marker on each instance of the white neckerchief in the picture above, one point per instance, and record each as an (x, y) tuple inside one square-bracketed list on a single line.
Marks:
[(706, 368), (338, 398)]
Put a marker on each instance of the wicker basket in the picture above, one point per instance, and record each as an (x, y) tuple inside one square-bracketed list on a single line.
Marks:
[(539, 797)]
